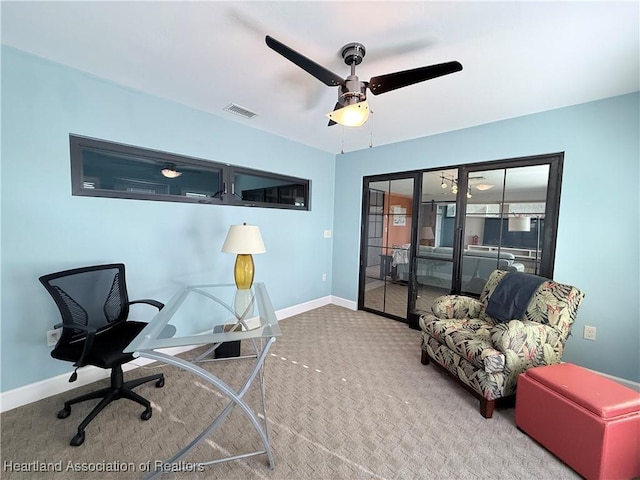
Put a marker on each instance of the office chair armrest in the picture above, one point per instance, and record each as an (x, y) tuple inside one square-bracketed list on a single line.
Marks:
[(148, 301), (88, 342), (76, 327)]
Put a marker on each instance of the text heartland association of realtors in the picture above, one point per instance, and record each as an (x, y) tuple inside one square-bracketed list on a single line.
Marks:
[(113, 466)]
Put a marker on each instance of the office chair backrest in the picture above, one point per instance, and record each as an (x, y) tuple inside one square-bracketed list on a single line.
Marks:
[(95, 297)]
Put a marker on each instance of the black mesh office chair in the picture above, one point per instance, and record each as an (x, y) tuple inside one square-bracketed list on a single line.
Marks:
[(94, 305)]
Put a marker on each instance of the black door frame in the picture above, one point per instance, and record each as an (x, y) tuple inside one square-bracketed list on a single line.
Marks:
[(415, 175), (548, 242)]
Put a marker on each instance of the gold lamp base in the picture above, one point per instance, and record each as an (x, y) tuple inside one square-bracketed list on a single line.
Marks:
[(243, 271)]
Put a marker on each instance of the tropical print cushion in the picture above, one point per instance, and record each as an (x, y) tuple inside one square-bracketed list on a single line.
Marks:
[(489, 385), (469, 338), (456, 306)]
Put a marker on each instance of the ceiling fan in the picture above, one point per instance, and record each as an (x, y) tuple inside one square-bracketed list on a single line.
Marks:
[(352, 108)]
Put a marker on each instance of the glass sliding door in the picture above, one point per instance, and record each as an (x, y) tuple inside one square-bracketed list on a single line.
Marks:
[(386, 253), (504, 223), (433, 266), (443, 231)]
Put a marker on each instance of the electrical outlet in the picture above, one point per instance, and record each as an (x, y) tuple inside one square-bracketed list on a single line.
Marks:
[(589, 332), (324, 277), (53, 336)]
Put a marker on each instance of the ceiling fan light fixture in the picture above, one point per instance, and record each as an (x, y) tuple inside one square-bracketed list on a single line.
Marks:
[(354, 115)]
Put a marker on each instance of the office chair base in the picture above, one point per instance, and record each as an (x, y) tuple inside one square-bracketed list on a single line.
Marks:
[(118, 389), (77, 440)]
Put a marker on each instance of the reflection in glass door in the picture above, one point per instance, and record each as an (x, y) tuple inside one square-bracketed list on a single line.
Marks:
[(502, 227), (434, 232), (386, 256), (433, 271), (504, 223)]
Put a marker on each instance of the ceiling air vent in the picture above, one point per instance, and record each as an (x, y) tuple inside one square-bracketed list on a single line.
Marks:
[(238, 110)]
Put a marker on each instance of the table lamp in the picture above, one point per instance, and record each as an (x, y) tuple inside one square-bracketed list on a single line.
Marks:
[(426, 236), (244, 240)]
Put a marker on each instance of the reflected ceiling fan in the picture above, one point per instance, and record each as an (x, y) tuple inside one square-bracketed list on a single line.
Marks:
[(352, 108)]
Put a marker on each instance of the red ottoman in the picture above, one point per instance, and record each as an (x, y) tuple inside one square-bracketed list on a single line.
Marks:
[(588, 421)]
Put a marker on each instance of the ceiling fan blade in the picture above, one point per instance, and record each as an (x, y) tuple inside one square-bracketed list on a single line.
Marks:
[(325, 76), (393, 81)]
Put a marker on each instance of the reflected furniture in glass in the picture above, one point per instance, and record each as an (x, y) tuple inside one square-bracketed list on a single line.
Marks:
[(434, 267), (486, 354), (94, 306), (212, 315)]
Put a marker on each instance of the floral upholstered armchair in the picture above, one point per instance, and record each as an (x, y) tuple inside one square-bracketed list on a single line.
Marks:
[(486, 354)]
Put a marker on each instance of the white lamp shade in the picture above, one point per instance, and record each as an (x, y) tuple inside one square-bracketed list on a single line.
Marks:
[(519, 224), (243, 239), (352, 115), (426, 233)]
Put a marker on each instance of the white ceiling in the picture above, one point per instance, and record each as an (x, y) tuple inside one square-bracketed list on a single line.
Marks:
[(518, 57)]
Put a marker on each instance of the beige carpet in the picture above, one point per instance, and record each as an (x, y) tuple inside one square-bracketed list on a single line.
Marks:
[(347, 399)]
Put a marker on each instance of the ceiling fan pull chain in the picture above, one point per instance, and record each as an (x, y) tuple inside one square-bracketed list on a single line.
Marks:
[(371, 132)]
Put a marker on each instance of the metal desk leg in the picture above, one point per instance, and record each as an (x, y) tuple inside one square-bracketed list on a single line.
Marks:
[(235, 399)]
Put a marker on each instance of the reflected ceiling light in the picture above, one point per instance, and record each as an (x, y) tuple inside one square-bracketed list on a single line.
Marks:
[(454, 184), (170, 171), (353, 115), (444, 183)]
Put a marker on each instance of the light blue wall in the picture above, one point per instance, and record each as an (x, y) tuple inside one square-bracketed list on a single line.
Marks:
[(598, 238), (163, 244), (45, 229)]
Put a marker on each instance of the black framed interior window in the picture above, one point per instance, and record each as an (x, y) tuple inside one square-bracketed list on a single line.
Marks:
[(261, 188), (106, 169), (376, 213)]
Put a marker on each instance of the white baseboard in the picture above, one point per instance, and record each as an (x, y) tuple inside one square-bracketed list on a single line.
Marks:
[(53, 386), (343, 302), (302, 307)]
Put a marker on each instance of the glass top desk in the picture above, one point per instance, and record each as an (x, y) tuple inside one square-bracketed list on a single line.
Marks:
[(210, 315)]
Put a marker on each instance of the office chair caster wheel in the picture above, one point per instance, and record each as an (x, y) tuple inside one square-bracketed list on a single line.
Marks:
[(146, 415), (64, 413), (160, 383), (77, 440)]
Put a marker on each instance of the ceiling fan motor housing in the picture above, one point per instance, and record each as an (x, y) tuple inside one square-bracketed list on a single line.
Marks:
[(353, 53), (353, 91)]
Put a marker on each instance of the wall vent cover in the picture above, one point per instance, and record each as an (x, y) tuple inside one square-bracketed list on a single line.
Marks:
[(238, 110)]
